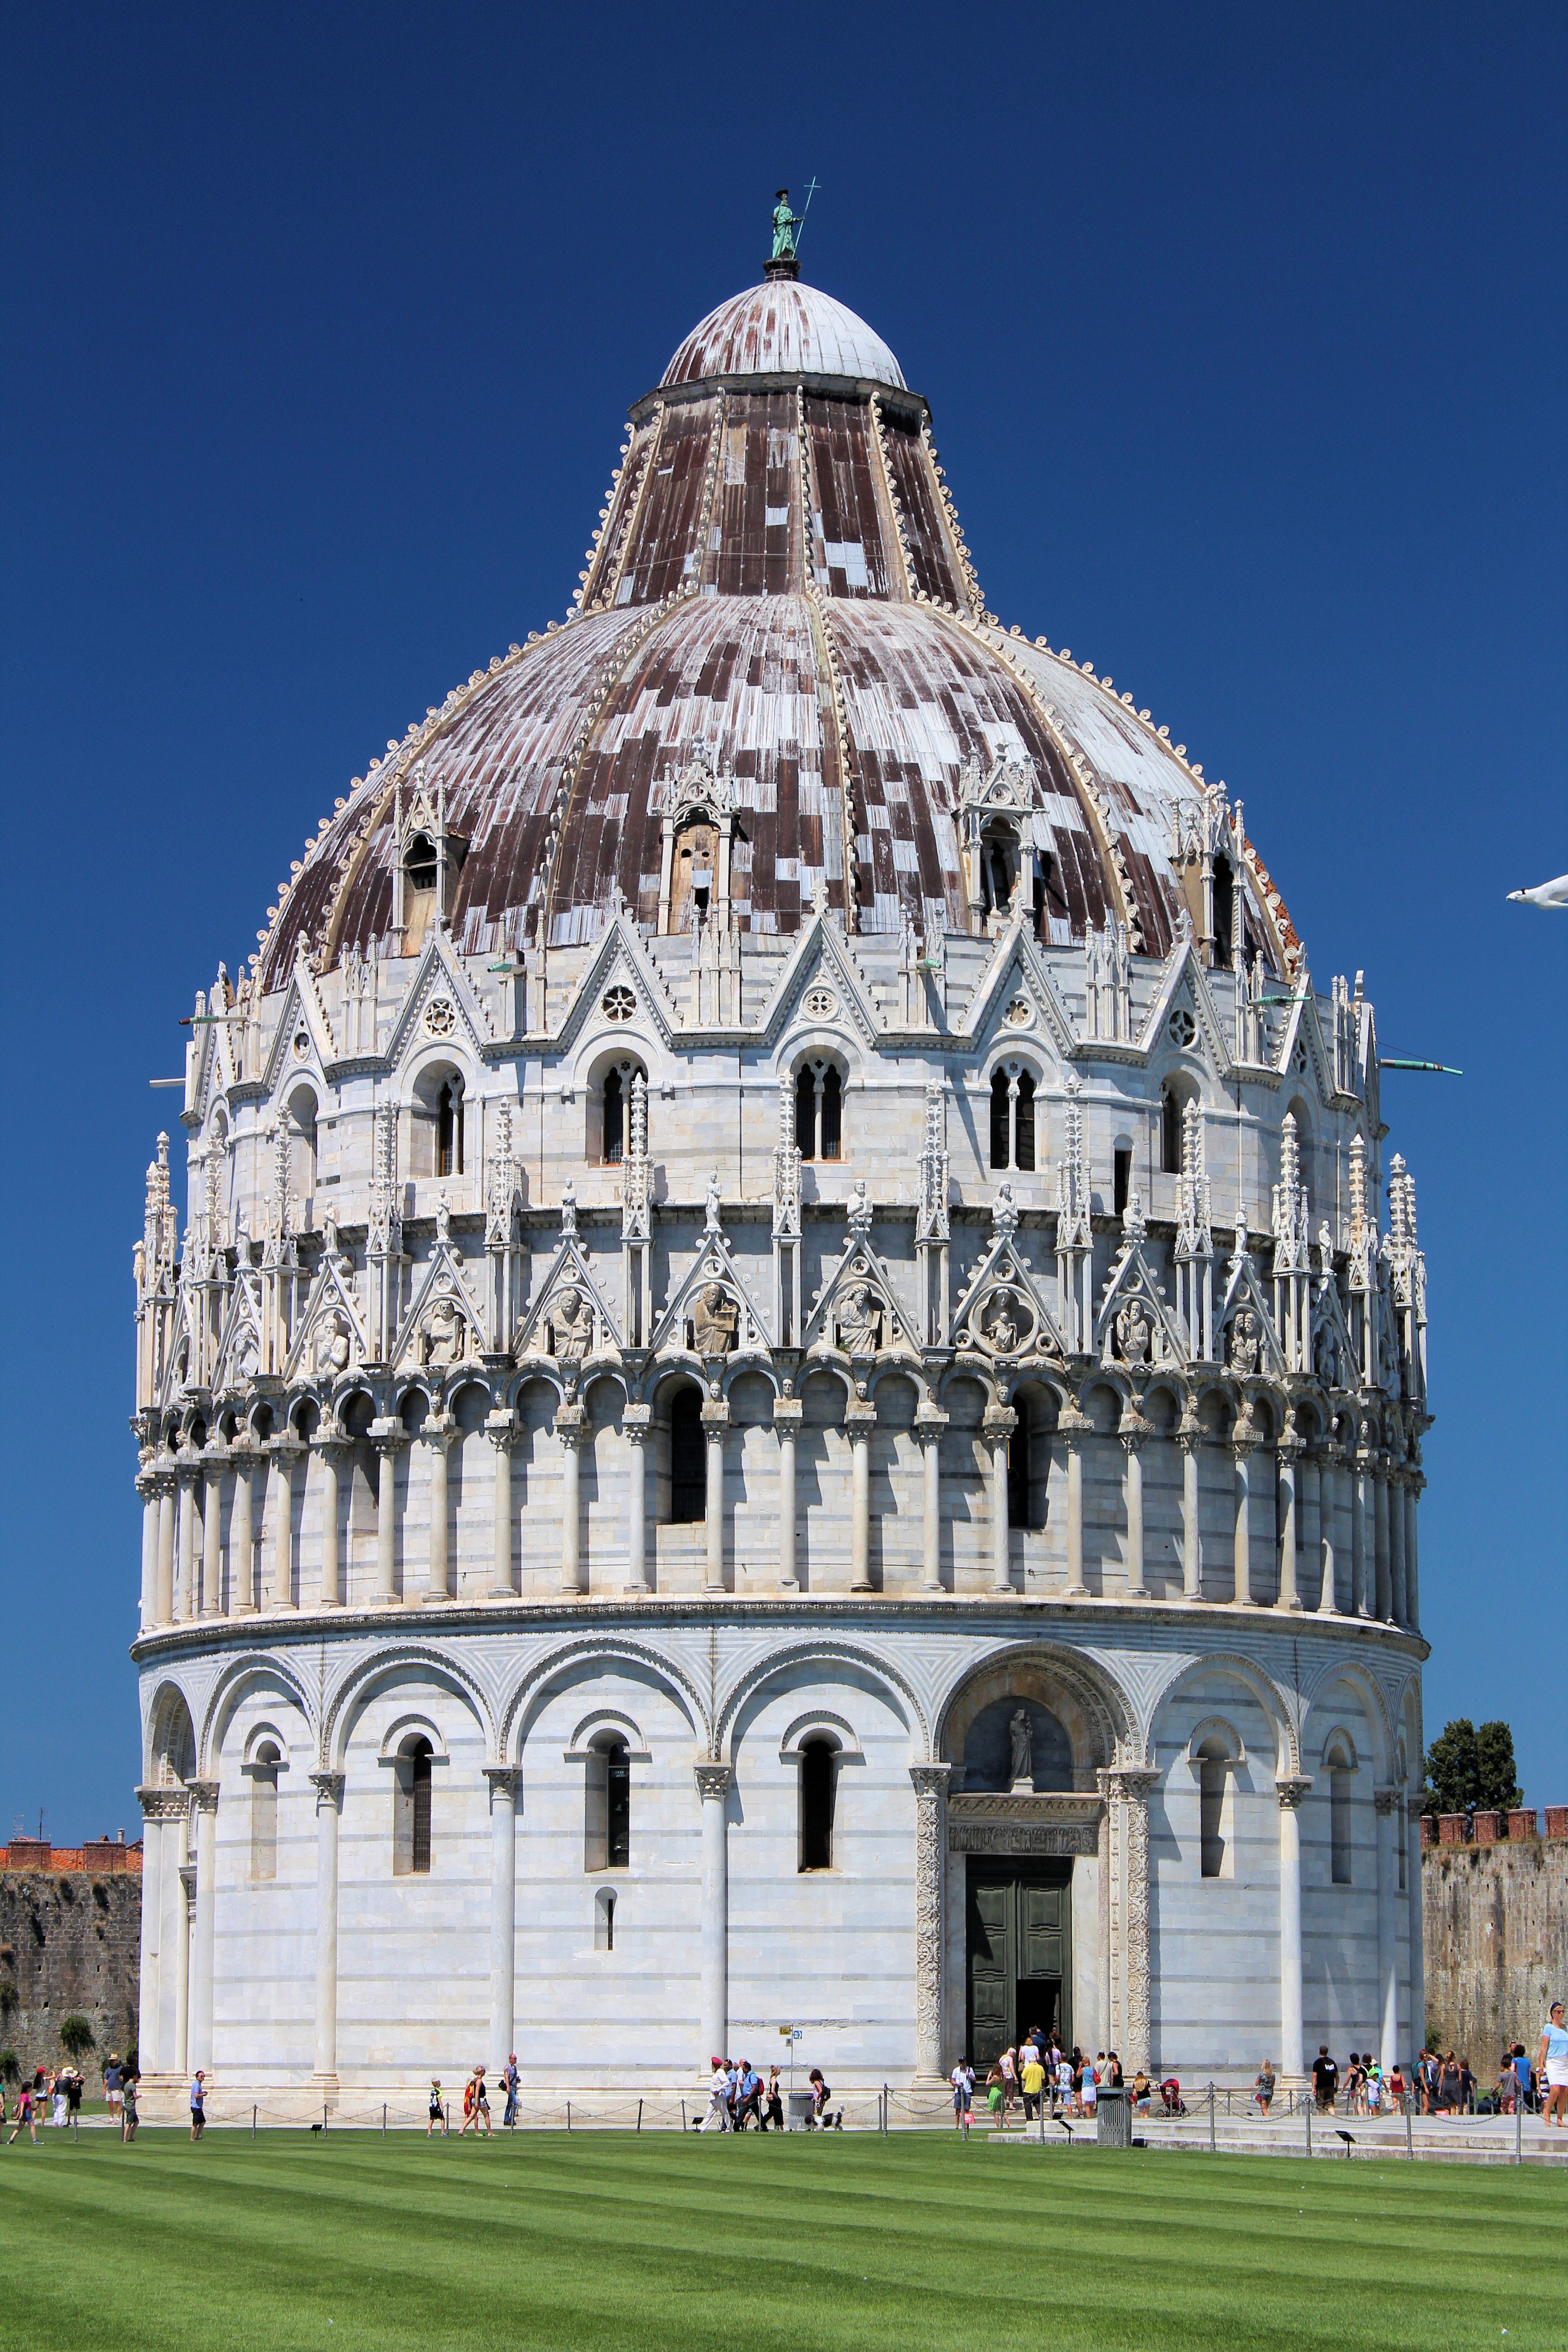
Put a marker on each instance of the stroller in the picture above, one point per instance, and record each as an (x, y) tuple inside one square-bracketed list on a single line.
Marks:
[(1170, 2096)]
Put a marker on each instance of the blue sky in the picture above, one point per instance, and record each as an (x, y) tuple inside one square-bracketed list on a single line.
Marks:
[(1244, 331)]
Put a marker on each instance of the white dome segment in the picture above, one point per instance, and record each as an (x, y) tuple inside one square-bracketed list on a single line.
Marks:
[(781, 328)]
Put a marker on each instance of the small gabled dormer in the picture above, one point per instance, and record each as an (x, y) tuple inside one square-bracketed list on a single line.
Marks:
[(429, 857)]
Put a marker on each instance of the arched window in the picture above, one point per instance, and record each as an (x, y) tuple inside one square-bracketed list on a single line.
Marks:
[(1013, 1119), (1171, 1130), (1340, 1780), (1224, 914), (818, 1773), (614, 1144), (264, 1811), (300, 1113), (421, 863), (1121, 1178), (449, 1129), (819, 1111), (687, 1458), (1212, 1762), (608, 1806), (411, 1808)]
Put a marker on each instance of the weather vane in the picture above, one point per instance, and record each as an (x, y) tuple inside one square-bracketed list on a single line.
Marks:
[(784, 261)]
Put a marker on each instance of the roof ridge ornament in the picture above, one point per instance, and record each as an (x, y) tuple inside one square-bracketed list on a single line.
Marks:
[(783, 261)]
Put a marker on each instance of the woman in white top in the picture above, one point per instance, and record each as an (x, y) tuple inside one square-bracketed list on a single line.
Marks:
[(1552, 2066)]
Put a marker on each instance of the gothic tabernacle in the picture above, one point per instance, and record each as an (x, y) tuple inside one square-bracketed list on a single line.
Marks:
[(793, 1391)]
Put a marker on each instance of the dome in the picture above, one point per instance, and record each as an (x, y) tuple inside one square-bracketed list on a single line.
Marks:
[(779, 591), (782, 328)]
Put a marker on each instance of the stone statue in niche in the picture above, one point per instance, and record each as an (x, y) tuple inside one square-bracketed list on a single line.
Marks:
[(1134, 1333), (1246, 1337), (1326, 1354), (1021, 1732), (246, 1353), (715, 1320), (333, 1345), (571, 1323), (443, 1334), (860, 1319), (1001, 1327)]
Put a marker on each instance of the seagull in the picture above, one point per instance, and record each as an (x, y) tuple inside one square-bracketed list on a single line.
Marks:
[(1545, 894)]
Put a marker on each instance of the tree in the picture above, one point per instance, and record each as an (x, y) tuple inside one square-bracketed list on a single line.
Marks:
[(1497, 1783), (76, 2036), (9, 2069), (1469, 1770)]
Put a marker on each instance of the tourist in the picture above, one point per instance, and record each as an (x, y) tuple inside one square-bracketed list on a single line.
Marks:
[(113, 2083), (962, 2081), (198, 2104), (1353, 2081), (1552, 2065), (1143, 2092), (993, 2089), (748, 2096), (1034, 2080), (59, 2094), (1521, 2068), (127, 2116), (1325, 2080), (1466, 2088), (774, 2113), (1008, 2064), (1448, 2086), (476, 2105), (1112, 2076), (75, 2086), (1263, 2088), (1371, 2089), (718, 2099), (437, 2112), (820, 2095), (1089, 2088), (1063, 2102), (508, 2083), (1398, 2089), (1426, 2081), (26, 2117)]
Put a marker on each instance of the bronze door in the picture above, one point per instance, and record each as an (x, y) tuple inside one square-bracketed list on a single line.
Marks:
[(1020, 1939)]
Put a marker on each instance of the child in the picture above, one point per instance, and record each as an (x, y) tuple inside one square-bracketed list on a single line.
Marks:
[(437, 2109)]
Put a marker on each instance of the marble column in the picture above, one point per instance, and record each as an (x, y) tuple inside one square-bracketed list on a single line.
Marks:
[(1189, 1438), (1396, 1486), (1385, 1800), (1383, 1606), (637, 1421), (147, 1487), (389, 1437), (185, 1886), (929, 1426), (1132, 1434), (859, 1421), (504, 1779), (242, 1536), (1289, 1454), (569, 1421), (212, 1538), (501, 1428), (168, 1512), (1413, 1486), (163, 1817), (1327, 1531), (437, 1432), (1415, 1926), (1072, 1435), (1310, 1506), (285, 1451), (328, 1788), (713, 1788), (173, 1932), (931, 1881), (1243, 1440), (788, 1414), (329, 1452), (185, 1595), (715, 1422), (1128, 1791), (997, 1427), (1291, 1789), (1358, 1535), (200, 2050)]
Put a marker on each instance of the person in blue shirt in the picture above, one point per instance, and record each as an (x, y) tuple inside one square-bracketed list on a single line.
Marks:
[(748, 2093), (1552, 2065)]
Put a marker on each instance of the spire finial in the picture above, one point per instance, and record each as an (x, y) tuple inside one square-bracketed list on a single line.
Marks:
[(783, 262)]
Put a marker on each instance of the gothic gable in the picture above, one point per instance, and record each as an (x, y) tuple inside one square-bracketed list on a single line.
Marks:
[(1182, 988), (823, 966), (445, 1325), (1133, 1324), (1003, 1313), (1016, 996), (439, 1003), (857, 1312), (331, 1339), (619, 961), (570, 1318)]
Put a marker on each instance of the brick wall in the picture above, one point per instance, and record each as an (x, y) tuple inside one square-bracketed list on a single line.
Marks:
[(1495, 1915), (69, 1944)]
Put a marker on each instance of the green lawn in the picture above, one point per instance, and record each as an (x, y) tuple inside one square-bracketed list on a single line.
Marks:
[(632, 2245)]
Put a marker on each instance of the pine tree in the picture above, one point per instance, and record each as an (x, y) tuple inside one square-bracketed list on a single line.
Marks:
[(1452, 1776), (1497, 1782)]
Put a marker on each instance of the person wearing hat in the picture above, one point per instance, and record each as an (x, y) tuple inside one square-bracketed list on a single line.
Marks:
[(437, 2109), (717, 2097)]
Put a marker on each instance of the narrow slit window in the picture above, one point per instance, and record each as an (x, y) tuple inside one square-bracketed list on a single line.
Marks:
[(1023, 1145), (411, 1810), (614, 1147), (1339, 1824), (617, 1806), (831, 1135), (1122, 1179), (449, 1129), (688, 1459), (1001, 1118), (805, 1113), (1210, 1808), (264, 1813), (1170, 1132), (817, 1772)]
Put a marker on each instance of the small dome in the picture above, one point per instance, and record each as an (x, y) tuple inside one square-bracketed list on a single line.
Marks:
[(781, 328)]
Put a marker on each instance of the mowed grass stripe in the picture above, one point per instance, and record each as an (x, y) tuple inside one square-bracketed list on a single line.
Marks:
[(615, 2242)]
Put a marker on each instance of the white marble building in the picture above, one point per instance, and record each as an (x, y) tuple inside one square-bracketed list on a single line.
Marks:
[(792, 1391)]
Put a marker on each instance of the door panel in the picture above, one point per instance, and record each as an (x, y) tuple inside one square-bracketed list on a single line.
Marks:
[(1019, 1952)]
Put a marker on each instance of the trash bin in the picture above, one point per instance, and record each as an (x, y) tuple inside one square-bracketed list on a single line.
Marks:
[(1112, 2118), (799, 2104)]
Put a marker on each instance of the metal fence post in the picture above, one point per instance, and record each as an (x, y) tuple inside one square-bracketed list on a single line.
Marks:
[(1409, 2135), (1211, 2118), (1518, 2129), (1307, 2111), (568, 2115), (252, 2123)]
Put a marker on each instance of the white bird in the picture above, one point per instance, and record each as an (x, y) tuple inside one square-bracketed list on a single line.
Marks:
[(1545, 894)]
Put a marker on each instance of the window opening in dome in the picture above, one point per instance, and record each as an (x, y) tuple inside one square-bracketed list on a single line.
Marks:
[(1122, 1179), (615, 1120), (422, 862), (805, 1113), (1224, 914), (449, 1129), (819, 1111), (688, 1459), (1171, 1108), (818, 1774)]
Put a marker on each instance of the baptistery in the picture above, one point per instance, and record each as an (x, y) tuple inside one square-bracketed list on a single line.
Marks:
[(792, 1392)]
